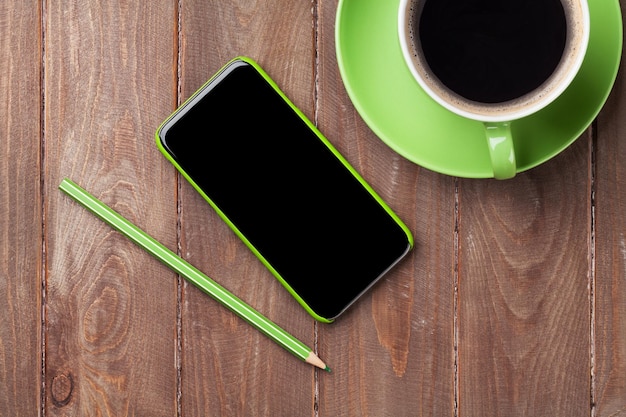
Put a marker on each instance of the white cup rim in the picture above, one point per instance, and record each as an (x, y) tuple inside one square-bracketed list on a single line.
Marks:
[(505, 117)]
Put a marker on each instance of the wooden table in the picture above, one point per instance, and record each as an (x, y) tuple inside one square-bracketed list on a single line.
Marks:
[(512, 304)]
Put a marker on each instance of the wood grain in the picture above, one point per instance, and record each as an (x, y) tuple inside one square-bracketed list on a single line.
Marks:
[(110, 308), (20, 209), (396, 345), (229, 368), (609, 372), (524, 311), (513, 302)]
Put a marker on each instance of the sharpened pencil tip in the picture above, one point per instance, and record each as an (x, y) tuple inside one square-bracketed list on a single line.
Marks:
[(327, 369)]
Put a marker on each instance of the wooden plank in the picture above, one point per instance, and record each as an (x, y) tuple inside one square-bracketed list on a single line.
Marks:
[(393, 351), (20, 208), (524, 309), (110, 308), (609, 391), (228, 368)]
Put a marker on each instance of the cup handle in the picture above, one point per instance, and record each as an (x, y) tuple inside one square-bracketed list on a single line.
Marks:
[(501, 150)]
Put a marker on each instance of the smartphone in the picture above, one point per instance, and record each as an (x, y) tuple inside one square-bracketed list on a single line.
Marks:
[(281, 186)]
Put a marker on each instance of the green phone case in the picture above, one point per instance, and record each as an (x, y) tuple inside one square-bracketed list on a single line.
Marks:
[(227, 220)]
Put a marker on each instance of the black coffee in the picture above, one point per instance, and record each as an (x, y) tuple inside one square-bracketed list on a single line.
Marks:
[(492, 51)]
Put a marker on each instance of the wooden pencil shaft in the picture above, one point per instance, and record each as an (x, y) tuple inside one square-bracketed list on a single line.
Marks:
[(182, 267)]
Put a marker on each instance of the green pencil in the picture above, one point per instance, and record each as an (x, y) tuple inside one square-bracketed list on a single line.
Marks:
[(192, 274)]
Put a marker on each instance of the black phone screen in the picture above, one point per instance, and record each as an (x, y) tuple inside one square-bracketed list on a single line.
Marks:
[(282, 187)]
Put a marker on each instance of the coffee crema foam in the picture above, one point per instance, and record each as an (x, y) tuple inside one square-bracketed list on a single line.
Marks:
[(547, 90)]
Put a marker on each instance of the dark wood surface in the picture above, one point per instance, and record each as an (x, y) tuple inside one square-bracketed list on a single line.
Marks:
[(512, 304)]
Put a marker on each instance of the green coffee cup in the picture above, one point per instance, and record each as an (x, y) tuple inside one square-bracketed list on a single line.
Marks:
[(478, 73)]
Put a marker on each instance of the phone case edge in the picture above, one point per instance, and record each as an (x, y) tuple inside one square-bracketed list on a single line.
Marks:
[(225, 218)]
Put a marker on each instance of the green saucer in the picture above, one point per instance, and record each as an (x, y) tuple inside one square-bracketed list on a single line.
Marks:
[(411, 123)]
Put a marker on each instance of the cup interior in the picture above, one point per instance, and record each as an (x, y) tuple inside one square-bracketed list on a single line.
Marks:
[(576, 40)]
